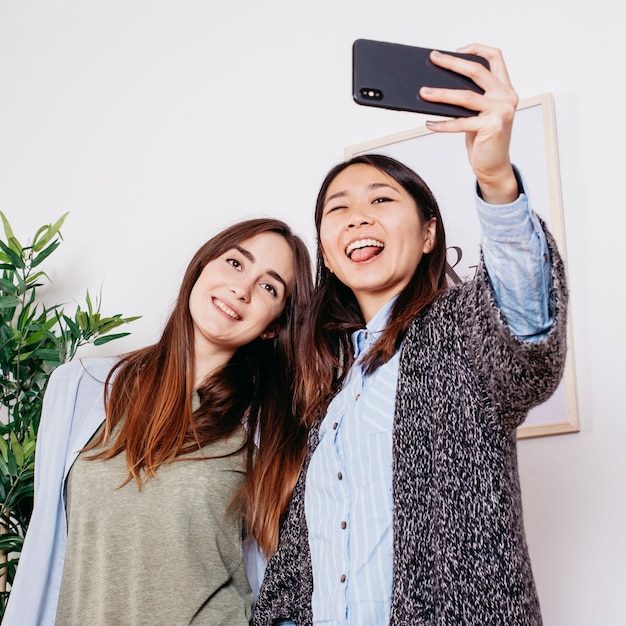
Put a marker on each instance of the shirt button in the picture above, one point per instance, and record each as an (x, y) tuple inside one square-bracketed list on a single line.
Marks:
[(343, 578), (343, 525), (339, 475), (335, 425), (358, 395)]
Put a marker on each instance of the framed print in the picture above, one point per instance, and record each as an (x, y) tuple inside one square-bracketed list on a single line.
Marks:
[(441, 160)]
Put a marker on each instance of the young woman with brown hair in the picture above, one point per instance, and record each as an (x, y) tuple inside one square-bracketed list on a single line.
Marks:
[(148, 463)]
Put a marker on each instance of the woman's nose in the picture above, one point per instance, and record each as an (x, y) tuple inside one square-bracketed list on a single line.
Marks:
[(359, 217), (242, 291)]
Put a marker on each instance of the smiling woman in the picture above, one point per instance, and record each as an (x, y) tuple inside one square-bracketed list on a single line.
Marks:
[(238, 297), (151, 458), (408, 507), (372, 235)]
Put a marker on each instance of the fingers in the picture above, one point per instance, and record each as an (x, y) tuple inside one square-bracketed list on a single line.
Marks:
[(495, 58), (494, 82), (494, 112), (472, 69), (459, 97), (488, 134), (476, 71)]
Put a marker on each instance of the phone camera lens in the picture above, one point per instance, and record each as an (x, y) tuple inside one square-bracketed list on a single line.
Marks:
[(371, 94)]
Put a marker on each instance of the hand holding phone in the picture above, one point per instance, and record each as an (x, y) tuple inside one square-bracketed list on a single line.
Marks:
[(390, 75)]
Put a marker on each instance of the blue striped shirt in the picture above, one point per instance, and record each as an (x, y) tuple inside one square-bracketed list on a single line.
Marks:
[(348, 497)]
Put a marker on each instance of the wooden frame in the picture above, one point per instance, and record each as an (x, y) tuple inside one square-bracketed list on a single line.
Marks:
[(441, 159)]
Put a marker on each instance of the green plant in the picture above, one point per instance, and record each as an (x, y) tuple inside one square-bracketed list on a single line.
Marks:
[(34, 339)]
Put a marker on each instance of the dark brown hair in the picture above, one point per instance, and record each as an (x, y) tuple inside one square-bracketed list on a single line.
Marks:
[(335, 314), (151, 389)]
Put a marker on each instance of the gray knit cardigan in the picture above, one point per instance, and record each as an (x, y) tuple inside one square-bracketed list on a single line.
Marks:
[(460, 555)]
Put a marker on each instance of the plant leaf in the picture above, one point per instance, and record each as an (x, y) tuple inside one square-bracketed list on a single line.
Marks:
[(42, 256), (99, 341), (4, 449), (17, 449), (8, 302), (7, 227), (48, 233), (12, 256)]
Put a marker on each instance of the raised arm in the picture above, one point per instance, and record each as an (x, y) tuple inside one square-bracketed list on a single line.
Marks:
[(513, 243), (488, 134)]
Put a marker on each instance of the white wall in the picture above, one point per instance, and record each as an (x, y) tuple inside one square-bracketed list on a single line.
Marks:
[(157, 122)]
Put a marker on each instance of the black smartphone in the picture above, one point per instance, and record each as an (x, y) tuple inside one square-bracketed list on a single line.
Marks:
[(389, 75)]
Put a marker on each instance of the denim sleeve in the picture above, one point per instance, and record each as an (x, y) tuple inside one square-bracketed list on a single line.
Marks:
[(517, 259)]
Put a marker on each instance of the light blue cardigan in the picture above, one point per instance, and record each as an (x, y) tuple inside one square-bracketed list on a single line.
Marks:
[(73, 409)]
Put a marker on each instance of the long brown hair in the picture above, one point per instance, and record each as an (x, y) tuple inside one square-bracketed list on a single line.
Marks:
[(327, 352), (151, 389)]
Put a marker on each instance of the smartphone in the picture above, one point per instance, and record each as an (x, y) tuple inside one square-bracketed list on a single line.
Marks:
[(389, 75)]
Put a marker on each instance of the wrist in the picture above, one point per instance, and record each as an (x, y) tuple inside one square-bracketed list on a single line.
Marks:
[(503, 188)]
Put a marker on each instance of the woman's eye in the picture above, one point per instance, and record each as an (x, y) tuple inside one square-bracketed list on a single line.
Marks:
[(335, 208), (270, 289), (234, 262), (381, 199)]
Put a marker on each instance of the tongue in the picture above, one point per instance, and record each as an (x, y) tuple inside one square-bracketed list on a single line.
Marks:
[(365, 254)]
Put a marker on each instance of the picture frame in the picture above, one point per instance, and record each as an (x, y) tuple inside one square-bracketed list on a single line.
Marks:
[(441, 160)]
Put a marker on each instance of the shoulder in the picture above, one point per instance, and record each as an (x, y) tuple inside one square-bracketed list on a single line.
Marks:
[(447, 309), (95, 369)]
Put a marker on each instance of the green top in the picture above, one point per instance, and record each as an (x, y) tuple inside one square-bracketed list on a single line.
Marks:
[(167, 554)]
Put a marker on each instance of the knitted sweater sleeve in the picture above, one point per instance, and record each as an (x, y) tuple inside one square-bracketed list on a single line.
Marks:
[(519, 375)]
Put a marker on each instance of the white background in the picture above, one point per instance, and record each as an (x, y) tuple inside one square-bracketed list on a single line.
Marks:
[(158, 122)]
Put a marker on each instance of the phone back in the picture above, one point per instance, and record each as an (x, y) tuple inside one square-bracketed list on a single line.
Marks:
[(389, 75)]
